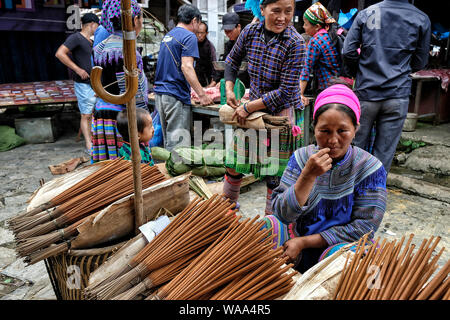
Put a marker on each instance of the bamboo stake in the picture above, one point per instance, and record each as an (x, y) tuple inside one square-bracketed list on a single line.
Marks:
[(198, 276), (277, 293), (361, 270), (80, 187), (158, 277), (430, 269), (26, 247), (363, 280), (348, 273), (446, 296), (384, 260), (341, 279), (265, 290), (79, 207), (439, 292), (415, 275), (364, 288), (402, 277), (354, 272), (57, 199), (228, 275), (408, 273), (213, 255), (400, 265), (433, 284), (390, 269), (253, 281)]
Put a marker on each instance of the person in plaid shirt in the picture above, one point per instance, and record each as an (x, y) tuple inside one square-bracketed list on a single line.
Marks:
[(322, 57), (275, 53)]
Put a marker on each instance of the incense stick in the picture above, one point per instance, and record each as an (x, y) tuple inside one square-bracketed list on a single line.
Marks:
[(402, 277)]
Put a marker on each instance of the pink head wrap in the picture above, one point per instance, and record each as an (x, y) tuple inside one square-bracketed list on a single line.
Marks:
[(341, 94)]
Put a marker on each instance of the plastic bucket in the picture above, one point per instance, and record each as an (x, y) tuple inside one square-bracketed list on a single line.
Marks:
[(410, 122)]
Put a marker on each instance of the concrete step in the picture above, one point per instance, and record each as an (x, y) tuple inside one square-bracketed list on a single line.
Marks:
[(419, 187), (424, 171), (433, 159)]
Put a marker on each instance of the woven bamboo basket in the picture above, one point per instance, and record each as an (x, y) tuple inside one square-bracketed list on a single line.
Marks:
[(69, 272)]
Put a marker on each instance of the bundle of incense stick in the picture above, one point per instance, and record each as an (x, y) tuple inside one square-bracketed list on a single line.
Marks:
[(39, 248), (98, 192), (238, 255), (158, 277), (111, 189), (76, 189), (197, 226), (267, 282), (84, 188), (381, 272)]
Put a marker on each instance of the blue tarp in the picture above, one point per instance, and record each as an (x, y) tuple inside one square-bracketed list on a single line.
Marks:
[(346, 19), (240, 7), (440, 32)]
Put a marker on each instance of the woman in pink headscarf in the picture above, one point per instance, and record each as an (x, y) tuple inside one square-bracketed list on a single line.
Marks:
[(331, 192)]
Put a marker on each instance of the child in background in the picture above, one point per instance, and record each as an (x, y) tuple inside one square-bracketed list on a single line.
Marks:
[(145, 134)]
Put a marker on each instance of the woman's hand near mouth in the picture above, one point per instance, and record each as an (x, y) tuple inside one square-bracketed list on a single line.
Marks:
[(317, 164)]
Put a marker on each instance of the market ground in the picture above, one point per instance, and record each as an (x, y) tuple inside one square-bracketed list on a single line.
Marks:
[(22, 168)]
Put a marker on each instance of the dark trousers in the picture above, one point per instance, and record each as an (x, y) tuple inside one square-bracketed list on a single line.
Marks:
[(389, 117)]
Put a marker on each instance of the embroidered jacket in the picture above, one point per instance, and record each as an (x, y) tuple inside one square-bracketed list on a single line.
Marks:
[(345, 203), (109, 55)]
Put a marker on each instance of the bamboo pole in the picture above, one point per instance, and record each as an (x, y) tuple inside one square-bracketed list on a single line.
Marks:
[(131, 86)]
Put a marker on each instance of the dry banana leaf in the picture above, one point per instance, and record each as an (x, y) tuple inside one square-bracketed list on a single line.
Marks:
[(117, 220)]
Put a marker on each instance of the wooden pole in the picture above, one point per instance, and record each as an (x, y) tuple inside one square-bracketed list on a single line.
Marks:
[(128, 98)]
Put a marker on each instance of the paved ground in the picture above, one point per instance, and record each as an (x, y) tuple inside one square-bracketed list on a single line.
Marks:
[(22, 168)]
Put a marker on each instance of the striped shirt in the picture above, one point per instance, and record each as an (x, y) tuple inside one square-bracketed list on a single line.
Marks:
[(345, 203), (274, 68), (322, 59)]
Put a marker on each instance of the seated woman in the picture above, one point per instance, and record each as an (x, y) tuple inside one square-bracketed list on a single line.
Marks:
[(329, 193)]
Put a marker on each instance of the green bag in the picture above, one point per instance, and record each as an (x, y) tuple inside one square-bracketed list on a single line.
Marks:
[(8, 139)]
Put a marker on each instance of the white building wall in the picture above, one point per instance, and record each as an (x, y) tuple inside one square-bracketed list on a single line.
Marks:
[(212, 12)]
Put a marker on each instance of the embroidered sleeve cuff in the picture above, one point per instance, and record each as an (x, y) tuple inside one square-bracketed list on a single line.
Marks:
[(292, 200)]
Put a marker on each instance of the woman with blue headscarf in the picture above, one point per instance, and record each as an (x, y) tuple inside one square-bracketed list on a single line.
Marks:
[(109, 55)]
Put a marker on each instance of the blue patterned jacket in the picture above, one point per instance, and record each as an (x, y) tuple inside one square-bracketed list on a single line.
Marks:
[(345, 203)]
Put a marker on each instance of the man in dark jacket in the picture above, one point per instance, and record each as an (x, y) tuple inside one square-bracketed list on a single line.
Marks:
[(207, 52), (232, 28), (394, 37)]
